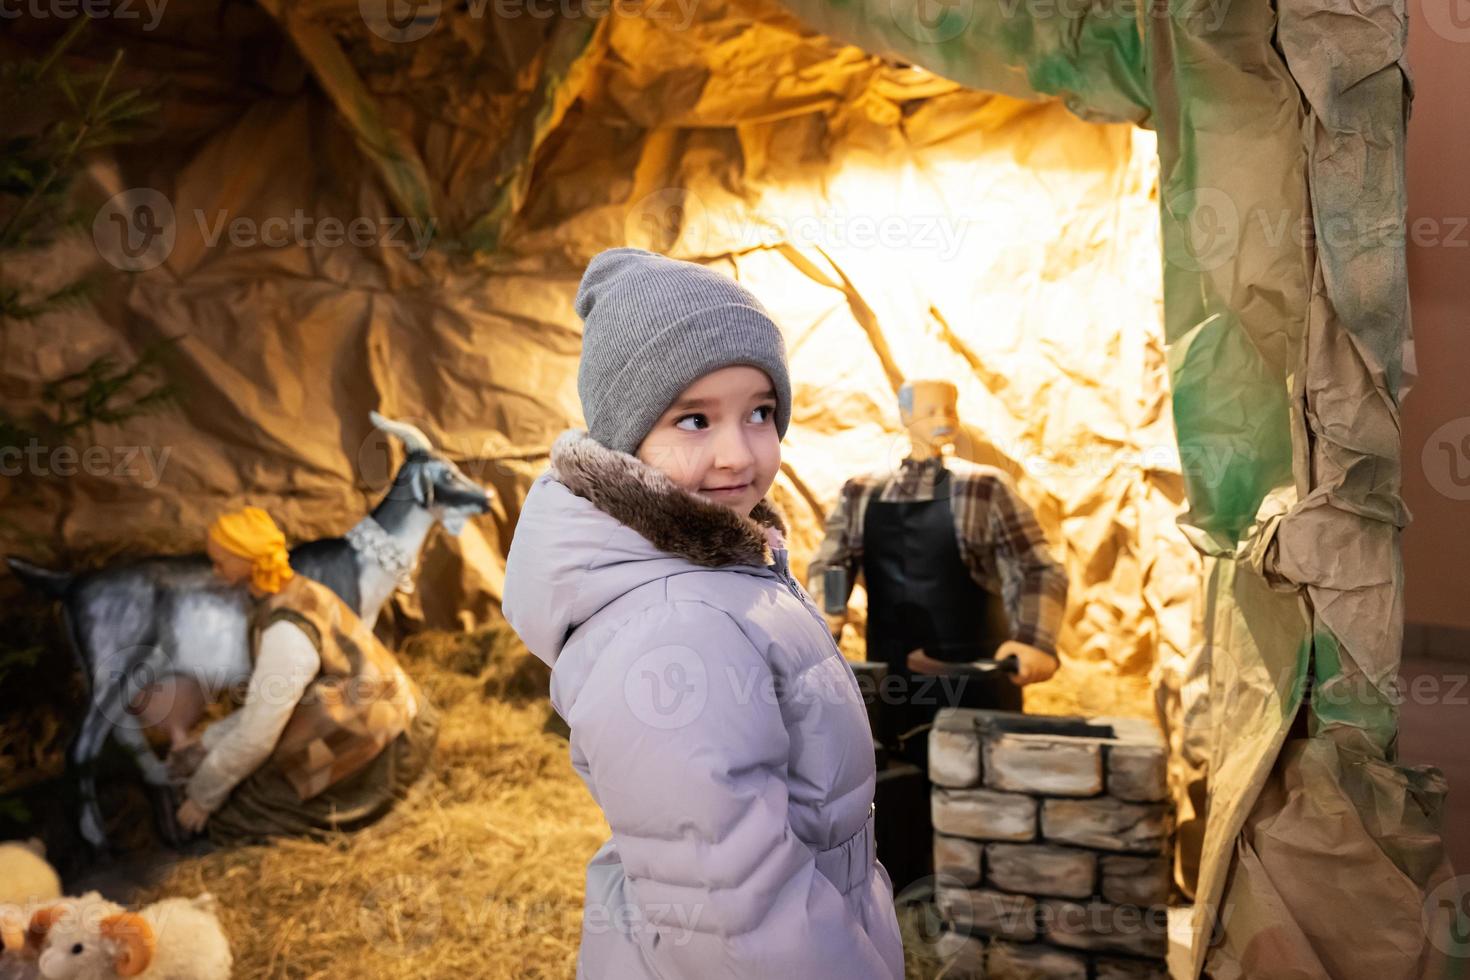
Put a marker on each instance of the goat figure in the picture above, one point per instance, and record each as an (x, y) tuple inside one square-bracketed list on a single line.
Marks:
[(146, 625)]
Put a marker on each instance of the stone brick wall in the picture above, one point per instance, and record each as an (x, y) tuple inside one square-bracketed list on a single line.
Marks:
[(1051, 846)]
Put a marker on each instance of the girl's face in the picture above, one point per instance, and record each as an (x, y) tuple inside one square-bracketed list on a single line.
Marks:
[(719, 438)]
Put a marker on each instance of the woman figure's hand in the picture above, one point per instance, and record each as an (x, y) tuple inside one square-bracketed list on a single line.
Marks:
[(192, 817)]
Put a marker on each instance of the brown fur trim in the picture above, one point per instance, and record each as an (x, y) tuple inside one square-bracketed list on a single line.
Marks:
[(672, 518)]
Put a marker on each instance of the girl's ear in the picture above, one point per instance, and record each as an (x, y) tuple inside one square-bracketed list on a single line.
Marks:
[(42, 920), (132, 938)]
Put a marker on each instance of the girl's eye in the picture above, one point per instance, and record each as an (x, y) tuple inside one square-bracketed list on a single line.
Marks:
[(769, 410), (679, 422)]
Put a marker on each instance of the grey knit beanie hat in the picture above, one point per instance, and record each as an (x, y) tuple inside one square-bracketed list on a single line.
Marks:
[(652, 326)]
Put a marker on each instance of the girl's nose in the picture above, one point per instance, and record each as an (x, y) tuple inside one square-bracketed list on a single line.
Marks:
[(732, 450)]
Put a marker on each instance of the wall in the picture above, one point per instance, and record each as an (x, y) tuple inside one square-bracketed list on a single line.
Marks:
[(1436, 419)]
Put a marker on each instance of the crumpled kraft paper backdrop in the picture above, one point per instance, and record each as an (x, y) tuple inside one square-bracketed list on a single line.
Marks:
[(897, 225)]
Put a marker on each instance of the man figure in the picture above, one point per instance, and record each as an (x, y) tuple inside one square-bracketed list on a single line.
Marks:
[(957, 570)]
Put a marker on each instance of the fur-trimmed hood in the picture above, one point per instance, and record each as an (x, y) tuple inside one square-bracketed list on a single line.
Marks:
[(599, 523), (670, 517)]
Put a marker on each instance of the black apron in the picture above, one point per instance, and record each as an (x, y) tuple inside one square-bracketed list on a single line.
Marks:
[(921, 595)]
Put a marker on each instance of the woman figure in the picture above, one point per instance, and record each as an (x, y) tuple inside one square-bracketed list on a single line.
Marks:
[(712, 716), (332, 731)]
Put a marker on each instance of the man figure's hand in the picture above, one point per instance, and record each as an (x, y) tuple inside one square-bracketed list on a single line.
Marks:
[(835, 622), (1032, 665)]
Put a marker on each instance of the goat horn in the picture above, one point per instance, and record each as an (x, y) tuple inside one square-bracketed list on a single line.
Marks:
[(413, 438), (42, 920), (135, 942)]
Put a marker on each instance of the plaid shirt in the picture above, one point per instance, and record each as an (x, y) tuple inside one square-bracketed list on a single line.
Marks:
[(998, 536)]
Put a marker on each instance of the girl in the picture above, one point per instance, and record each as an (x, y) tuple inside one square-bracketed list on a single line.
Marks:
[(712, 717)]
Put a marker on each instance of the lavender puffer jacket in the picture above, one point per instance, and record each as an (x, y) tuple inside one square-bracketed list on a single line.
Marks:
[(715, 723)]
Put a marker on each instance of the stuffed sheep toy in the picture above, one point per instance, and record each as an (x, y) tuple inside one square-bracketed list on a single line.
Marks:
[(172, 939), (25, 946)]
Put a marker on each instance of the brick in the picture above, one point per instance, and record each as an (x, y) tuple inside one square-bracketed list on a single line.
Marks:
[(957, 858), (962, 957), (1038, 869), (1138, 773), (983, 815), (1107, 824), (1007, 961), (1044, 764), (1100, 926), (1135, 880), (954, 750), (1116, 969), (988, 912)]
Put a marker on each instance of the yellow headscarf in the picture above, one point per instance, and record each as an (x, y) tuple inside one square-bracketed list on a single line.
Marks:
[(250, 533)]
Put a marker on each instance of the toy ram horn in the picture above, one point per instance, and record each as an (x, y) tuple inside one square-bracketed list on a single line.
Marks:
[(413, 439)]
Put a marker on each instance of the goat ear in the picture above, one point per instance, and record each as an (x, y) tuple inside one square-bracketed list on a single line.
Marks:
[(133, 937), (42, 919)]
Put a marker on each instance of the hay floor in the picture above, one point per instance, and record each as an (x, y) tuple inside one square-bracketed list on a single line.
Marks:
[(478, 874)]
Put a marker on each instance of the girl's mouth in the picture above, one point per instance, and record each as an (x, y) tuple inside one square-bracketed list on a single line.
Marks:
[(727, 491)]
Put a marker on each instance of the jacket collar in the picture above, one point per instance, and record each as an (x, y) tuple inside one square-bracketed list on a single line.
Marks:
[(670, 517)]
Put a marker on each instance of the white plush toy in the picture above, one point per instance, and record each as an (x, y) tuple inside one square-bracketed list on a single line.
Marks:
[(24, 948), (172, 939), (26, 881)]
